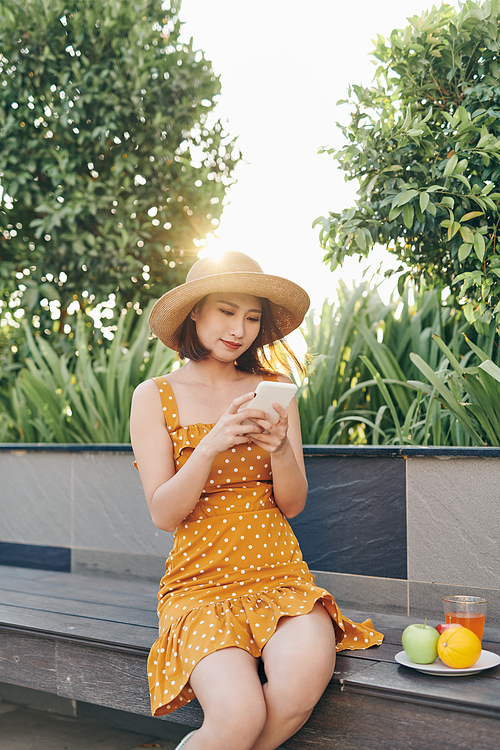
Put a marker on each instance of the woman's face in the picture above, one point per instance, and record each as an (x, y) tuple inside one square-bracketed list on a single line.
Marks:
[(228, 323)]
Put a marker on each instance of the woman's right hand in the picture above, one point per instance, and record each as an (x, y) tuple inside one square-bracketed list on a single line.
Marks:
[(229, 430)]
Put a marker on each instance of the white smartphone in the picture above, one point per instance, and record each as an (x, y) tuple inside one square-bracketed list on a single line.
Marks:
[(267, 392)]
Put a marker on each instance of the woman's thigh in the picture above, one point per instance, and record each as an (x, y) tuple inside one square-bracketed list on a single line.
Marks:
[(229, 689), (299, 658)]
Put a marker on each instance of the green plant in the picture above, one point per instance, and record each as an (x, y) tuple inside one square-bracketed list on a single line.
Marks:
[(83, 396), (109, 164), (424, 144), (330, 394), (363, 386), (471, 393)]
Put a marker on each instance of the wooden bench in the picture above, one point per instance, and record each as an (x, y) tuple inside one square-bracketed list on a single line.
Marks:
[(87, 638)]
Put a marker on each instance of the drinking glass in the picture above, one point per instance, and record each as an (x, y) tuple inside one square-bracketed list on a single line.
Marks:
[(469, 611)]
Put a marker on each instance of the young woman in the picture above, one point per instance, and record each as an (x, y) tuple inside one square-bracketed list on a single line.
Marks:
[(236, 588)]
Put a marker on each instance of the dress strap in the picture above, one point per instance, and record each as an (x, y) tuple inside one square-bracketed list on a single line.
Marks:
[(270, 376), (168, 403)]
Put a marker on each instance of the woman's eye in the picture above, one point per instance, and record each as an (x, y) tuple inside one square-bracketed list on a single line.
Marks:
[(254, 320), (226, 312)]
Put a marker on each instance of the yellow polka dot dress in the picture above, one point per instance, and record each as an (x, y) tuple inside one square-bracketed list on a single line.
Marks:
[(234, 570)]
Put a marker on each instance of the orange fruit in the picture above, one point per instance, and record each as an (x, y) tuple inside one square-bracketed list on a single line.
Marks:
[(459, 647)]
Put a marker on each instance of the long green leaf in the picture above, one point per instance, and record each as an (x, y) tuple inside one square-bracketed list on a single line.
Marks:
[(458, 410)]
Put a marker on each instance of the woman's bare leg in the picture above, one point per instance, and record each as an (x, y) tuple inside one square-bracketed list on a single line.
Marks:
[(299, 660), (229, 690)]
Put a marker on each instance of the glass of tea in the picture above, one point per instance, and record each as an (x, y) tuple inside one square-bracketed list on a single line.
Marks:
[(469, 611)]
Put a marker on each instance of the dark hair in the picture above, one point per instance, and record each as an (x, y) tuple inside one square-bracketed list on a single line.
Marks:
[(259, 358)]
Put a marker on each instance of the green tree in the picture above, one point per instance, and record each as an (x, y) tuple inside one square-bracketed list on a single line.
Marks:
[(110, 163), (424, 144)]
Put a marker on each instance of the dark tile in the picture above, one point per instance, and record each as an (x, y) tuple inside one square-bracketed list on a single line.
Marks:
[(35, 556), (355, 517)]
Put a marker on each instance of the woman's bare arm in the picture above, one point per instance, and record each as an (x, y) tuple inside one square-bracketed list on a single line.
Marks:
[(172, 495), (289, 474), (284, 443)]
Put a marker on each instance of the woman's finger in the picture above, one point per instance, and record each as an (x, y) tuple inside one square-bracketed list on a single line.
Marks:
[(238, 402)]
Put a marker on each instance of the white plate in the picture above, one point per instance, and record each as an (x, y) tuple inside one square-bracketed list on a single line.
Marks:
[(487, 660)]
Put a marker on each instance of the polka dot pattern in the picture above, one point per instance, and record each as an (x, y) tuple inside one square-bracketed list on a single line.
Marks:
[(234, 570)]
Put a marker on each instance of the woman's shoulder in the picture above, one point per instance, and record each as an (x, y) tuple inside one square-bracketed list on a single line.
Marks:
[(150, 389), (146, 391), (154, 383)]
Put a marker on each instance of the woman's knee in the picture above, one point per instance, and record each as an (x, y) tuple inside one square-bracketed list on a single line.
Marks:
[(229, 690), (295, 701), (240, 721)]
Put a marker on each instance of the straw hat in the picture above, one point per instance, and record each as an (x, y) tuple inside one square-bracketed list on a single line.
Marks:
[(233, 272)]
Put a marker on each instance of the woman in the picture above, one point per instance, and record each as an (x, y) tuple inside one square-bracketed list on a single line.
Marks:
[(236, 588)]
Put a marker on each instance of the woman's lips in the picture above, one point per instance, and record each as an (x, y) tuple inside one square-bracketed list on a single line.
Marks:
[(231, 344)]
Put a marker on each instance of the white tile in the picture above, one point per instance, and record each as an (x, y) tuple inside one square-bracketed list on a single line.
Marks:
[(454, 521)]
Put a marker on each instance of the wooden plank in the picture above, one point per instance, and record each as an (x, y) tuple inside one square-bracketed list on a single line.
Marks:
[(78, 608), (346, 668), (384, 652), (69, 626), (28, 661), (113, 680), (135, 594), (468, 692), (9, 572), (348, 721)]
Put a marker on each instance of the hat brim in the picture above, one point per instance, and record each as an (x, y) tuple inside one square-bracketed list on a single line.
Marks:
[(289, 302)]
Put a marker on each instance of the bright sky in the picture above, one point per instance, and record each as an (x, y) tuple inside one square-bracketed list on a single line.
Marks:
[(283, 65)]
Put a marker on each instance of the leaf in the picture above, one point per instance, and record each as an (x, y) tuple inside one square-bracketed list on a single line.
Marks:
[(394, 213), (408, 215), (464, 252), (479, 246), (458, 410), (471, 215), (381, 384), (448, 201), (491, 368), (467, 235), (463, 180), (450, 165), (405, 197), (360, 239), (424, 201)]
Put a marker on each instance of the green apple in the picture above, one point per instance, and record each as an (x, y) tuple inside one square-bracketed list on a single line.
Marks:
[(420, 643)]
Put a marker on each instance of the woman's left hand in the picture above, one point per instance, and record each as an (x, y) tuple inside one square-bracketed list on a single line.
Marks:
[(274, 436)]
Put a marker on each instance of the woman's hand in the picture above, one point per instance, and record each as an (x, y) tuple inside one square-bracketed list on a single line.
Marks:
[(229, 430), (272, 437)]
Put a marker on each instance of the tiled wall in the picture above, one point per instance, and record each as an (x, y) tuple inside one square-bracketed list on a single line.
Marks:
[(386, 529), (90, 502)]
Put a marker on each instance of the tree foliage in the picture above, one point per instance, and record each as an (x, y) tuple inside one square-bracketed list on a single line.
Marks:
[(109, 165), (424, 144)]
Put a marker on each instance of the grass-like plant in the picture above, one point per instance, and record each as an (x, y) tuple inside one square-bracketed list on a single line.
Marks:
[(330, 395), (364, 386), (470, 393), (82, 396)]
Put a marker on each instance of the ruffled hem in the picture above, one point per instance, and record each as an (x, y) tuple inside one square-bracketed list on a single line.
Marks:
[(246, 622)]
